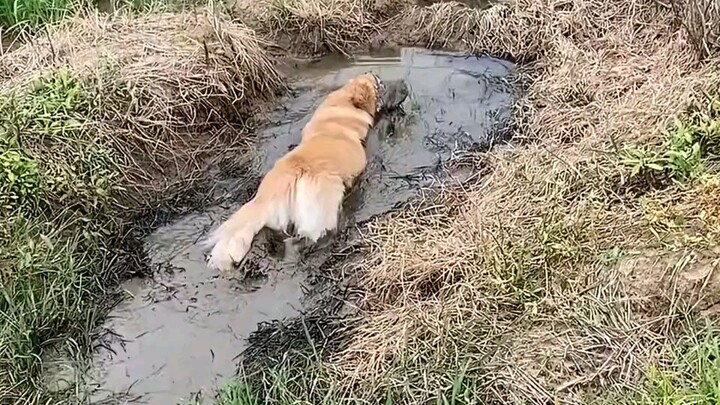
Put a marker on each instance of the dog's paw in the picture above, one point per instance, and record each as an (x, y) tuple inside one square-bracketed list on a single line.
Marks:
[(226, 255), (221, 263)]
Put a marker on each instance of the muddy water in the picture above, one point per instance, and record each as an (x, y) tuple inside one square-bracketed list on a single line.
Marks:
[(456, 104), (184, 326), (180, 331)]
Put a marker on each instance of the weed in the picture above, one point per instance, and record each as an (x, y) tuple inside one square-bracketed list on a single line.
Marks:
[(53, 259), (19, 180), (144, 6), (75, 163), (36, 13), (238, 393), (92, 145), (53, 281), (307, 380), (690, 142), (693, 374)]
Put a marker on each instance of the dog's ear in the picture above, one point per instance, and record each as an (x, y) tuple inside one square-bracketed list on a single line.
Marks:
[(362, 94)]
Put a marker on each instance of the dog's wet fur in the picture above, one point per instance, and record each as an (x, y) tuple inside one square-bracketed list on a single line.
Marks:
[(305, 189)]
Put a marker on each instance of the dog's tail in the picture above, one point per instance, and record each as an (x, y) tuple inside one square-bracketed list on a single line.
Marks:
[(270, 207), (286, 193), (232, 240)]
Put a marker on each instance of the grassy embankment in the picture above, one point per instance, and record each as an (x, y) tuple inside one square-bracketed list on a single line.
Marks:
[(580, 269), (106, 122), (583, 267), (35, 14)]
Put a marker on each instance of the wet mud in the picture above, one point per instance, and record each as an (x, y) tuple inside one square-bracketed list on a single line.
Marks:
[(179, 333)]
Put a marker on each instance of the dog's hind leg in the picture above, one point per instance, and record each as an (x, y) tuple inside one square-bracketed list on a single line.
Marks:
[(317, 205), (232, 240)]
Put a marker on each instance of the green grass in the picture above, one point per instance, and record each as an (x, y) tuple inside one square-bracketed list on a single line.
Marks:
[(311, 382), (50, 300), (238, 393), (679, 178), (35, 13), (691, 142), (688, 372), (693, 375), (19, 179), (62, 157), (87, 157), (60, 192), (154, 5)]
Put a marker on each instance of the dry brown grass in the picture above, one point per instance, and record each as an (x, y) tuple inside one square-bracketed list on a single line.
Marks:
[(561, 277), (530, 286), (518, 287), (700, 20), (184, 69), (164, 85), (312, 26)]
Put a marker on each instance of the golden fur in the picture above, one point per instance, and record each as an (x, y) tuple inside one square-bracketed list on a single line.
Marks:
[(306, 186)]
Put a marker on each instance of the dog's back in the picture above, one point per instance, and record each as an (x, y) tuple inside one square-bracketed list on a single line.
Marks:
[(306, 186)]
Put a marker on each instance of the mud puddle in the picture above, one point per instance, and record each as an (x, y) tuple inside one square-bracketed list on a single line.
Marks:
[(179, 333), (456, 104)]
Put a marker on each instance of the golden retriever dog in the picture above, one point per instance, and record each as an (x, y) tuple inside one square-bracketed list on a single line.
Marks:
[(305, 188)]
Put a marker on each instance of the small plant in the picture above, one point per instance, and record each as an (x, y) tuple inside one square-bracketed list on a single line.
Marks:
[(690, 143), (693, 377), (238, 393), (155, 5), (35, 13), (75, 164), (19, 180)]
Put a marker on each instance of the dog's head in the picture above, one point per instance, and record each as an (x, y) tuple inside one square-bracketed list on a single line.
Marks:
[(366, 92), (370, 94)]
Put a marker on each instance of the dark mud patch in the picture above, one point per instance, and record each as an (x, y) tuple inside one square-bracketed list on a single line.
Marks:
[(180, 331)]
